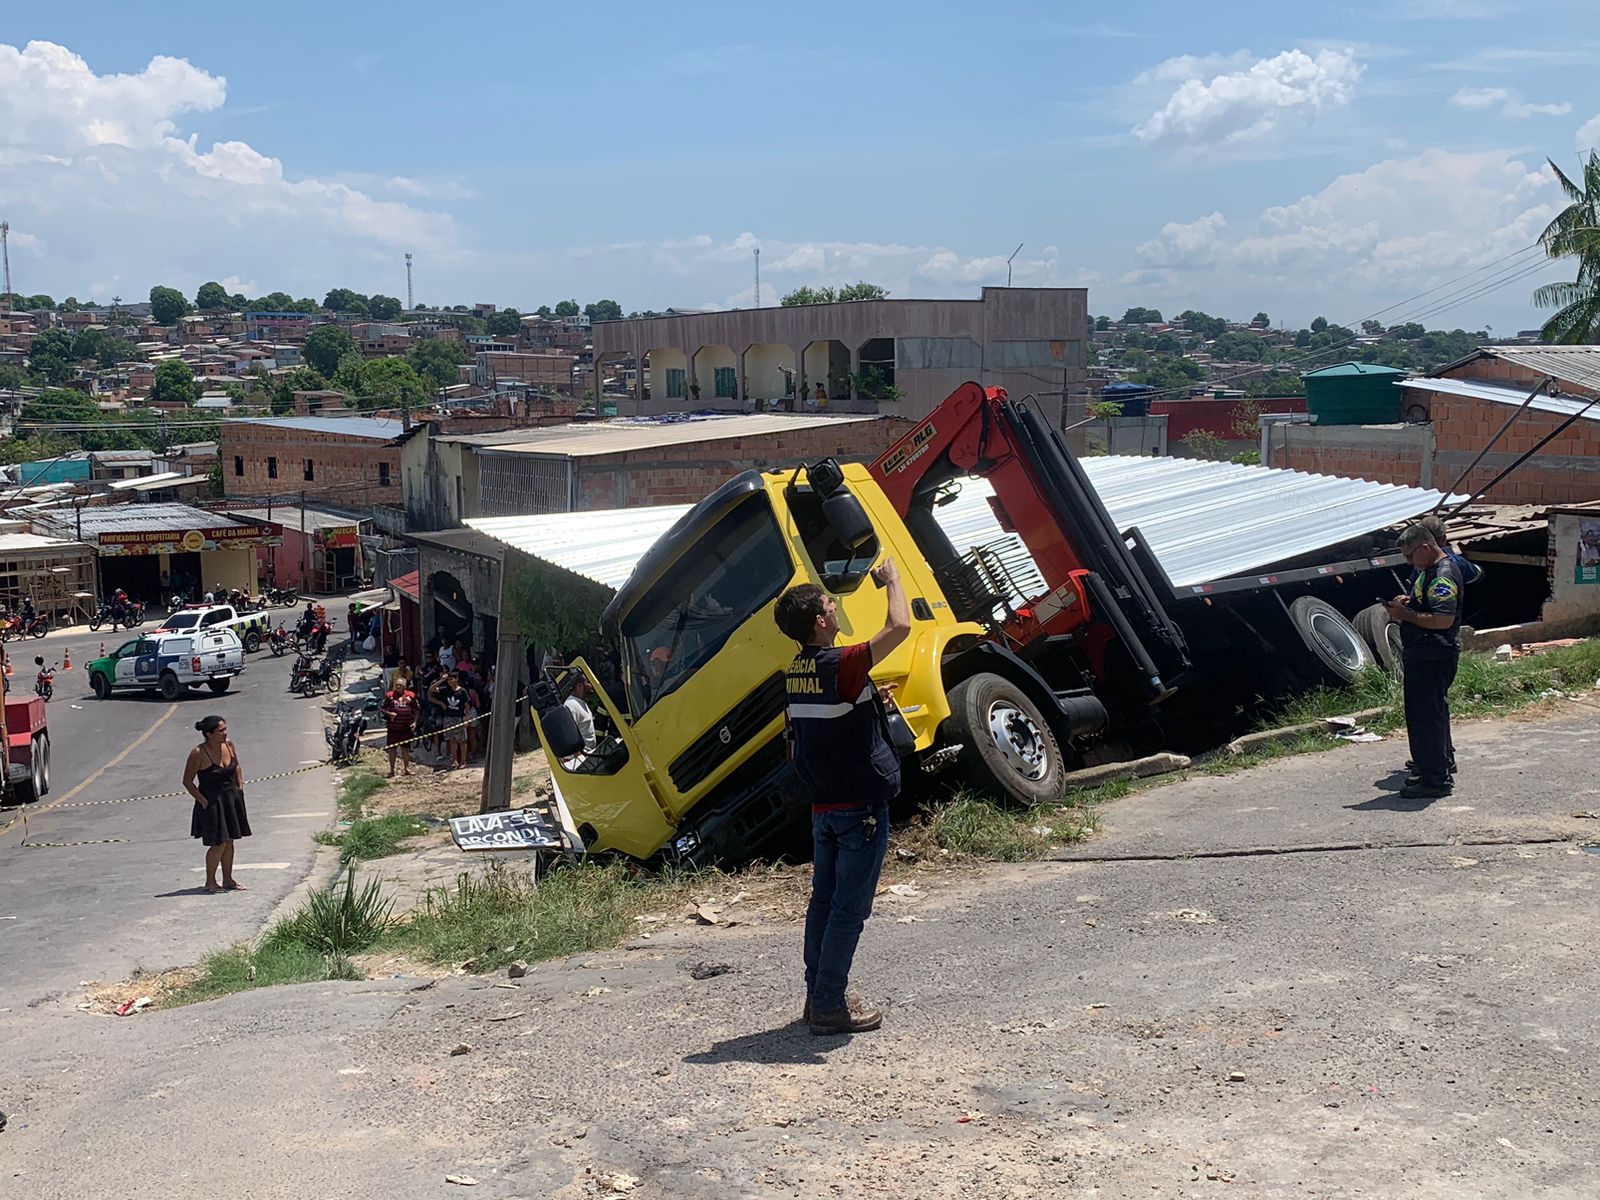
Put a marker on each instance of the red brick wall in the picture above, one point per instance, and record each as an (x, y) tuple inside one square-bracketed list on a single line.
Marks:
[(1378, 464), (1567, 469), (1220, 417), (688, 473), (346, 469)]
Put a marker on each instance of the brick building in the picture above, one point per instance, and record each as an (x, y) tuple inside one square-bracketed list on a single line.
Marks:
[(489, 368), (348, 461), (617, 464), (1452, 416)]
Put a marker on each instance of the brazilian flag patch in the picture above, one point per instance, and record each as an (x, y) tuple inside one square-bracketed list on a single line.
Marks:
[(1443, 589)]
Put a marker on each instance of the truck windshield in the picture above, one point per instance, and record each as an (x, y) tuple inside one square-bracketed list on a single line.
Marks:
[(732, 570)]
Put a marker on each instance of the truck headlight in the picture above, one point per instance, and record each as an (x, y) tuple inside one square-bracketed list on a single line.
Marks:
[(686, 843)]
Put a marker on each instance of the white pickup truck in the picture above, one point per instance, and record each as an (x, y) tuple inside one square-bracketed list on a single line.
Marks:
[(252, 628), (170, 663)]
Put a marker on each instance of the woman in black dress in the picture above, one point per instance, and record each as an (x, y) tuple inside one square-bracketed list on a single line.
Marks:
[(212, 776)]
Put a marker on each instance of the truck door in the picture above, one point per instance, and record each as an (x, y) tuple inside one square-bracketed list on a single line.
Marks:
[(610, 790)]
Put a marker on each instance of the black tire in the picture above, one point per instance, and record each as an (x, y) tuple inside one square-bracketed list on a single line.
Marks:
[(39, 629), (1383, 637), (1338, 653), (23, 789), (333, 683), (94, 622), (277, 647), (101, 686), (171, 689), (43, 744), (218, 686), (47, 691), (252, 641), (1007, 746)]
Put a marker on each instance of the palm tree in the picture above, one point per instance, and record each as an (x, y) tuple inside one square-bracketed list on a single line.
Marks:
[(1575, 233)]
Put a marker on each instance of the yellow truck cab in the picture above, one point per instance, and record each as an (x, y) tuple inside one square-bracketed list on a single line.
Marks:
[(689, 758)]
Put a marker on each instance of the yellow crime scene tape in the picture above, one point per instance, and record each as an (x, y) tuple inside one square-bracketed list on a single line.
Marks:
[(25, 844)]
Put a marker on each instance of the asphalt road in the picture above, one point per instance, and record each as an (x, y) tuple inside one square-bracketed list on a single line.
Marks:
[(1280, 983), (100, 911)]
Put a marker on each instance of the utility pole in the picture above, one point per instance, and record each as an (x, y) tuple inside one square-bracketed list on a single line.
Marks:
[(410, 303), (5, 253), (758, 276)]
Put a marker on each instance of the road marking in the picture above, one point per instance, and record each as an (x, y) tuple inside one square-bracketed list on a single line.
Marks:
[(289, 816), (252, 867), (131, 747)]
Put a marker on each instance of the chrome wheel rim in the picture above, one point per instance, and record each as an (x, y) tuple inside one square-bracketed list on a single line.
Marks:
[(1020, 742)]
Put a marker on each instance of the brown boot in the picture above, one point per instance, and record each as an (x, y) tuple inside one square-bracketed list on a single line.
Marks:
[(854, 1018)]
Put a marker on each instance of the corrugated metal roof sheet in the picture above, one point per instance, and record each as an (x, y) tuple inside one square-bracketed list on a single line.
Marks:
[(288, 515), (1578, 365), (1507, 394), (165, 518), (153, 483), (375, 428), (619, 436), (1202, 520)]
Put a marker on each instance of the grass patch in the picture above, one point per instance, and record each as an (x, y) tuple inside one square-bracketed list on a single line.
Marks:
[(240, 968), (356, 789), (970, 826), (521, 785), (495, 916), (373, 837), (1306, 743)]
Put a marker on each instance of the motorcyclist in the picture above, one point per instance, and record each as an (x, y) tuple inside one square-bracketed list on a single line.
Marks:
[(28, 613), (119, 604)]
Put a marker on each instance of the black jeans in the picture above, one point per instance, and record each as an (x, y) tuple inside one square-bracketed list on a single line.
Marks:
[(1427, 691)]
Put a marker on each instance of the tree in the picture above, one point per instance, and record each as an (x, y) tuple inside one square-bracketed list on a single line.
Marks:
[(211, 295), (830, 295), (1102, 323), (807, 295), (87, 343), (861, 291), (567, 308), (276, 302), (239, 301), (1240, 347), (70, 304), (379, 382), (343, 300), (301, 379), (603, 310), (1371, 328), (1202, 443), (1142, 316), (114, 349), (505, 323), (1318, 324), (1409, 331), (436, 360), (1261, 321), (1574, 233), (1206, 326), (383, 308), (167, 305), (545, 311), (57, 343), (1167, 343), (174, 382), (325, 346), (11, 378), (1302, 338)]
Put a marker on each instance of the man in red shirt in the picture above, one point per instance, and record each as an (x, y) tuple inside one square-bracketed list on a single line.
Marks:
[(400, 713), (843, 761)]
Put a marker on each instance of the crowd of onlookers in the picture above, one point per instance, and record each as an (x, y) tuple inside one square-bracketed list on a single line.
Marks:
[(441, 706)]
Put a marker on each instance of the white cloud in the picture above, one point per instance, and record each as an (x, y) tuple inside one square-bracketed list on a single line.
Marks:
[(447, 189), (101, 166), (1185, 245), (1250, 102), (233, 285), (1510, 103), (1588, 135)]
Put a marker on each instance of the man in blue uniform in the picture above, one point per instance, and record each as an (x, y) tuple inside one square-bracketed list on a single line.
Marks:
[(843, 761), (1471, 572), (1429, 617)]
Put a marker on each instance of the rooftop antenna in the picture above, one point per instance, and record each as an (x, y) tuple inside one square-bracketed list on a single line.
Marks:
[(1014, 253), (758, 276), (410, 303)]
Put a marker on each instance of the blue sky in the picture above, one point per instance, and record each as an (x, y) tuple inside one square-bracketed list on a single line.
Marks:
[(1298, 158)]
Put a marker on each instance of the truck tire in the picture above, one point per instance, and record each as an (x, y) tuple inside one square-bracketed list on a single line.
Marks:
[(1007, 746), (24, 787), (101, 686), (218, 686), (171, 689), (1337, 650), (1383, 637), (252, 641), (41, 750)]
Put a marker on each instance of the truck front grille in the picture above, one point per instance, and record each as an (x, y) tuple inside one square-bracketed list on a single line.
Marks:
[(728, 736)]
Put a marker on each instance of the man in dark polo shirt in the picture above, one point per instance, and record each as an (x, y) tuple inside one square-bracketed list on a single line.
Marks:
[(1429, 616), (843, 761)]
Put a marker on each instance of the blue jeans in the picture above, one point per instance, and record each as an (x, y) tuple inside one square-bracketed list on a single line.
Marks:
[(850, 845)]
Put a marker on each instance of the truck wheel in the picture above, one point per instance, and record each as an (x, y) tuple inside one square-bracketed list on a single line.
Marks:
[(218, 686), (1007, 745), (1382, 636), (101, 685), (1338, 651), (171, 689), (252, 641), (41, 750), (23, 787)]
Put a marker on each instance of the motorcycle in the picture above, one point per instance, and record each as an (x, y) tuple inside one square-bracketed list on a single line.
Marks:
[(44, 683), (280, 640), (304, 664), (344, 737), (38, 627), (177, 602), (288, 597), (132, 615)]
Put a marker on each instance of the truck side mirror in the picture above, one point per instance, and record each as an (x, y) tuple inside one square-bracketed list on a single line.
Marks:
[(561, 732), (848, 520)]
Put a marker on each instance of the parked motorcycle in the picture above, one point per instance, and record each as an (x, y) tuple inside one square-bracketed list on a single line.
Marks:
[(176, 603), (281, 640), (45, 682), (344, 737), (312, 675), (303, 665), (10, 625), (286, 596)]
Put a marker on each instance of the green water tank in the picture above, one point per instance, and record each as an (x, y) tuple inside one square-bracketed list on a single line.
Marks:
[(1354, 393)]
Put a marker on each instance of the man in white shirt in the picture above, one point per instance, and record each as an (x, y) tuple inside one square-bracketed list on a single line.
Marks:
[(584, 720)]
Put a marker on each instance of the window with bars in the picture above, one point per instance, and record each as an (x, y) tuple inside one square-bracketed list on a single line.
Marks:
[(723, 381), (677, 382)]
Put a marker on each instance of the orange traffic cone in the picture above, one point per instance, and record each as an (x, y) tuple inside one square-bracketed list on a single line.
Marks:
[(102, 649), (66, 664)]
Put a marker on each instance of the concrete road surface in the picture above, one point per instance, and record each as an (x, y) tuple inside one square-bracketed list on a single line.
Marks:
[(1280, 983), (99, 911)]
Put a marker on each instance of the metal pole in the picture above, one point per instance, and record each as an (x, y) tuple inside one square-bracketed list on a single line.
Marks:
[(503, 718), (304, 582)]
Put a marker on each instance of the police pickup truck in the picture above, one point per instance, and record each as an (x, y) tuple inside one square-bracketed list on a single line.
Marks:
[(251, 628), (170, 662)]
